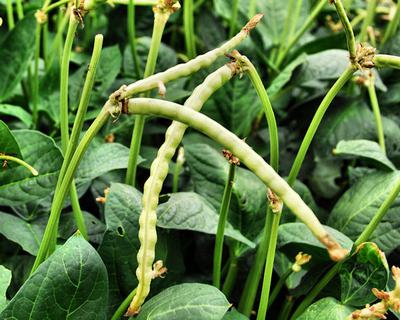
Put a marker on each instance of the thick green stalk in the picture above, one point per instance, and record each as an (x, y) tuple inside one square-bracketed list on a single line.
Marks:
[(234, 16), (231, 276), (132, 38), (278, 287), (368, 21), (4, 157), (246, 154), (223, 216), (351, 41), (377, 112), (188, 26), (307, 24), (20, 9), (60, 196), (392, 26), (10, 15), (185, 69), (160, 20), (312, 129), (387, 61), (123, 306), (55, 5), (35, 85), (269, 266)]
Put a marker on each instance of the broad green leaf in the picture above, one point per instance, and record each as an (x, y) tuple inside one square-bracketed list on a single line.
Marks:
[(190, 211), (17, 112), (15, 53), (295, 237), (363, 148), (70, 284), (18, 186), (5, 280), (234, 315), (365, 270), (235, 106), (327, 309), (209, 171), (186, 301), (284, 76), (8, 143), (27, 234), (358, 205)]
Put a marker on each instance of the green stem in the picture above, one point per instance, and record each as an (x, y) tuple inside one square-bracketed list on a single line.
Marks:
[(307, 24), (188, 26), (132, 38), (348, 30), (295, 19), (124, 305), (233, 21), (55, 5), (377, 113), (269, 266), (35, 85), (223, 216), (160, 20), (60, 196), (387, 61), (20, 10), (369, 20), (290, 18), (383, 209), (316, 290), (252, 8), (286, 308), (312, 129), (278, 287), (393, 25), (10, 15), (231, 276), (137, 2), (180, 160), (4, 157)]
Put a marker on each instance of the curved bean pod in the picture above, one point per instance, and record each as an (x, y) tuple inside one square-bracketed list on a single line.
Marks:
[(158, 173), (247, 156)]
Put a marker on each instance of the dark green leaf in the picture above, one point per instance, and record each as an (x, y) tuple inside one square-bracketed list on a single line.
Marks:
[(5, 280), (234, 315), (363, 148), (16, 112), (18, 186), (358, 205), (184, 301), (365, 270), (15, 53), (8, 143), (190, 211), (327, 309), (71, 284)]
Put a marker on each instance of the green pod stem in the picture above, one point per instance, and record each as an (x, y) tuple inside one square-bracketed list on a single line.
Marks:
[(348, 29), (392, 26), (247, 156), (278, 287), (386, 61), (20, 10), (10, 15), (4, 157), (180, 160), (132, 37), (368, 21), (64, 187), (185, 69), (160, 20), (35, 84), (188, 26), (123, 306), (158, 173), (312, 129), (223, 216), (377, 112), (231, 275), (234, 16)]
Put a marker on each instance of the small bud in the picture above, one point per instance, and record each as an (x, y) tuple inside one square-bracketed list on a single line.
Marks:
[(162, 90), (110, 138), (159, 271), (275, 202), (41, 17), (102, 200), (301, 259)]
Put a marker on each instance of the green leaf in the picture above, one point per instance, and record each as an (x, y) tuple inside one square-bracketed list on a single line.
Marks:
[(363, 148), (183, 301), (365, 270), (17, 112), (234, 315), (190, 211), (327, 309), (15, 53), (5, 280), (70, 284), (28, 235), (235, 106), (358, 205), (8, 143), (295, 237), (209, 171), (18, 186)]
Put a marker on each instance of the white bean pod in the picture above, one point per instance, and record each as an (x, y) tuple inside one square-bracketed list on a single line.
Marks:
[(158, 173), (247, 156)]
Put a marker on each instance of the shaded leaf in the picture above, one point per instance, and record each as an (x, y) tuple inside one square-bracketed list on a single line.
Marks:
[(327, 309), (17, 112), (5, 280), (8, 143)]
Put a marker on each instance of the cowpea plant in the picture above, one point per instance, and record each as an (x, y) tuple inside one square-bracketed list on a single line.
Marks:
[(265, 163)]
